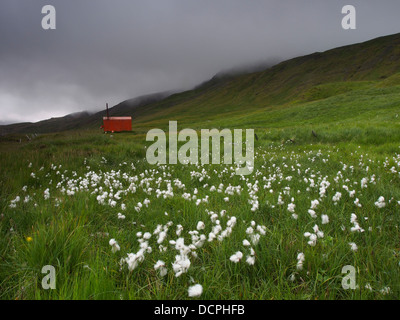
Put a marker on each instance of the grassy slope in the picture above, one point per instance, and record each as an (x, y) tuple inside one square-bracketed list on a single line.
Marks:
[(348, 96), (296, 80)]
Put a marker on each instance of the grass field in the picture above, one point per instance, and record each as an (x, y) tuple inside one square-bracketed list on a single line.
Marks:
[(324, 194), (70, 227)]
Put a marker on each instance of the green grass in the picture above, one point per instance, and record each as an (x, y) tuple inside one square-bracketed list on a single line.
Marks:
[(73, 234)]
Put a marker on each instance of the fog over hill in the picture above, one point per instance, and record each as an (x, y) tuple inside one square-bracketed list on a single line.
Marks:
[(237, 91)]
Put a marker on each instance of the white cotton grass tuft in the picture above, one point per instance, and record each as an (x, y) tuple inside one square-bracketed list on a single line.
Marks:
[(179, 229), (114, 246), (336, 198), (181, 265), (300, 261), (161, 237), (200, 225), (319, 233), (357, 203), (236, 257), (314, 204), (147, 236), (356, 227), (380, 203), (312, 213), (195, 291), (160, 266), (251, 258), (291, 207), (314, 236), (120, 216), (353, 246), (325, 219)]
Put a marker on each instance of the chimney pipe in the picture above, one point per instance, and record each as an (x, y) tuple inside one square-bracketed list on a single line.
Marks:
[(108, 116)]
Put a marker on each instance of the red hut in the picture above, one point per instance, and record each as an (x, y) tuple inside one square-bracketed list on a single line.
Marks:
[(116, 124)]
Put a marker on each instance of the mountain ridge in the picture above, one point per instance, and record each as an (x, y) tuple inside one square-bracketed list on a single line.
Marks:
[(287, 82)]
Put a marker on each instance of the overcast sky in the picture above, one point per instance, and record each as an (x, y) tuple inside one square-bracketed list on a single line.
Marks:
[(109, 51)]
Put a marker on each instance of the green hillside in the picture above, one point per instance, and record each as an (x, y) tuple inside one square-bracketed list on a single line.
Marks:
[(350, 72)]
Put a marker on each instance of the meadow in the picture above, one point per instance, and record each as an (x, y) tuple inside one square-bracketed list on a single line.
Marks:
[(115, 227)]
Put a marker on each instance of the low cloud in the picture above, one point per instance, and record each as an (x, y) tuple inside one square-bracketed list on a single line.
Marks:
[(112, 51)]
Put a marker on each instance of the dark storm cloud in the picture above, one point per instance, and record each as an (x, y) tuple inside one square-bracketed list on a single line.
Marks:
[(108, 51)]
